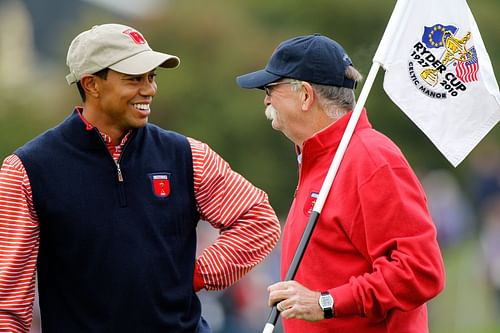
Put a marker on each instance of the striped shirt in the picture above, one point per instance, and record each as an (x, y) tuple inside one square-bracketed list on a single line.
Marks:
[(221, 194)]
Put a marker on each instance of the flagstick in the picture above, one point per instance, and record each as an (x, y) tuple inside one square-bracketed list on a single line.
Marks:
[(325, 188)]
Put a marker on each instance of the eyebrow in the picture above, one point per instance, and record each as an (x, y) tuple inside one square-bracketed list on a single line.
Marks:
[(138, 75)]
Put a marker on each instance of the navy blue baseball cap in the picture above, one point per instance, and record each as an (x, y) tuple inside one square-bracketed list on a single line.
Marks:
[(312, 58)]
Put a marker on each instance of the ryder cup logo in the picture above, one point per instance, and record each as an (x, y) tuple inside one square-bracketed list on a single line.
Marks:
[(441, 65)]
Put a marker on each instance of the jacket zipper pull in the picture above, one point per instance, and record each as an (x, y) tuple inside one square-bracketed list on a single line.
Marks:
[(119, 171)]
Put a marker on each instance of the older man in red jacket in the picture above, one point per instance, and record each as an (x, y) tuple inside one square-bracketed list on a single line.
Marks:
[(373, 260)]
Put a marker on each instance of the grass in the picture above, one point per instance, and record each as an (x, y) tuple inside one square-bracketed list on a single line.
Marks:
[(466, 305)]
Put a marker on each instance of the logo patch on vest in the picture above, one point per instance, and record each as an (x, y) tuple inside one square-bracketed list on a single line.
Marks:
[(308, 207), (161, 184)]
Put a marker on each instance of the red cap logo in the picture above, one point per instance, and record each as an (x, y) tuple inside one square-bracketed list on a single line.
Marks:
[(136, 36)]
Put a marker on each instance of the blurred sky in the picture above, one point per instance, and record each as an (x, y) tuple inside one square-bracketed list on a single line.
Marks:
[(130, 8)]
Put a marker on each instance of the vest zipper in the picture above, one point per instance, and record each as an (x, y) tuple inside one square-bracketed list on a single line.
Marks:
[(119, 171), (121, 190), (118, 168)]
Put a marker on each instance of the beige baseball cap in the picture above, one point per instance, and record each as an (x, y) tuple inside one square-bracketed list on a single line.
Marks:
[(119, 47)]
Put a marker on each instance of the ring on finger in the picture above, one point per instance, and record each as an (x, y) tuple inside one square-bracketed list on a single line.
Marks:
[(280, 307)]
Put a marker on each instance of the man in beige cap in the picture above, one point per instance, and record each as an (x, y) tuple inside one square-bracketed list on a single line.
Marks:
[(105, 206)]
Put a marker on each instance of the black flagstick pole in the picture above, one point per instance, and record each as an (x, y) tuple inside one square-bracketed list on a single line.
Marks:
[(382, 50), (274, 314)]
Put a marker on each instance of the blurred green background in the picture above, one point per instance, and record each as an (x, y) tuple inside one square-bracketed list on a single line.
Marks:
[(218, 40)]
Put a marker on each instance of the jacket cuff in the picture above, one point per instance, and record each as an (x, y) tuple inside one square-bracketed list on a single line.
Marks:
[(345, 305), (198, 282)]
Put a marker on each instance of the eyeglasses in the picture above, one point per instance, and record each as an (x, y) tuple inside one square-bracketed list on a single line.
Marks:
[(268, 87)]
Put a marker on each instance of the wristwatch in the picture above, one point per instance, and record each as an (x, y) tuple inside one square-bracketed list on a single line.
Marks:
[(326, 302)]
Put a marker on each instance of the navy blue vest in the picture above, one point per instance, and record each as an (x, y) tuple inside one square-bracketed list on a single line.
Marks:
[(117, 249)]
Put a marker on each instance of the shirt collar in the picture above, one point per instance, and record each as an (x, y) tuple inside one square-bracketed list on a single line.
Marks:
[(330, 136), (107, 139)]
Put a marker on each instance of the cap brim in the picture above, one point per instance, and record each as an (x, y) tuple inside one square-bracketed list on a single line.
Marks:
[(256, 79), (144, 62)]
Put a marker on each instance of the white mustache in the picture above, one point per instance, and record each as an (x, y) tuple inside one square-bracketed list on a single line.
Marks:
[(270, 112)]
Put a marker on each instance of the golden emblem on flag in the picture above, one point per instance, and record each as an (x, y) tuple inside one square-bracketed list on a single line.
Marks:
[(455, 49)]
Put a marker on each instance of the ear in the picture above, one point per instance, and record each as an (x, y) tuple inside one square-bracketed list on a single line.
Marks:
[(307, 96), (90, 85)]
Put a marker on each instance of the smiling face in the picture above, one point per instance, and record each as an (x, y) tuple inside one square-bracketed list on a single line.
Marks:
[(124, 100), (118, 102)]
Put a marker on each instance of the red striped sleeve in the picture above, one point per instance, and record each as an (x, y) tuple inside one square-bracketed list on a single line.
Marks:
[(18, 247), (249, 226)]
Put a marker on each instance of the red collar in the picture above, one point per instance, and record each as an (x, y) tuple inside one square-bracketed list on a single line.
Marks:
[(107, 139)]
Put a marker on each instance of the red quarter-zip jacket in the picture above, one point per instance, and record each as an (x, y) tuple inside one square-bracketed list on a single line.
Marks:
[(374, 247)]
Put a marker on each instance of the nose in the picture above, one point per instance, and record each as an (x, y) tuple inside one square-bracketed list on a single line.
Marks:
[(267, 100), (148, 88)]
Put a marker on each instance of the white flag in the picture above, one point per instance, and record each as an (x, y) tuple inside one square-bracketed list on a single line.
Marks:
[(439, 73)]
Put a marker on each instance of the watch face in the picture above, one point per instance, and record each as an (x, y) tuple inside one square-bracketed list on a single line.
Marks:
[(326, 301)]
